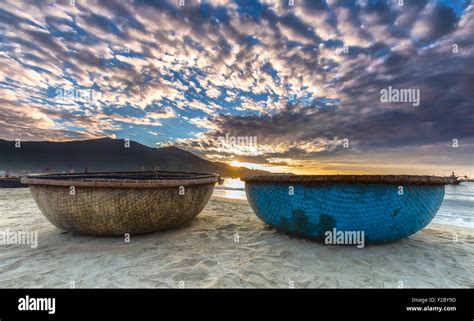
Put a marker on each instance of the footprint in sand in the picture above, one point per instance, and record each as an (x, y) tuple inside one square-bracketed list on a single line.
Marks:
[(210, 263), (228, 227), (284, 254)]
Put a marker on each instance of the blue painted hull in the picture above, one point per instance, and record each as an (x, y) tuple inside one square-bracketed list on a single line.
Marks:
[(376, 209)]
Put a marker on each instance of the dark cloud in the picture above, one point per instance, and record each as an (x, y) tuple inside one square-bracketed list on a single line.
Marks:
[(231, 68), (437, 22)]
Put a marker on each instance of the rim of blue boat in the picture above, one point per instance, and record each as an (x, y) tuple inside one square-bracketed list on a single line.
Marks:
[(349, 179)]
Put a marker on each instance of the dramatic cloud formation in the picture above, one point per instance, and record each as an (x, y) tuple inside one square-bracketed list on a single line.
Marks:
[(302, 77)]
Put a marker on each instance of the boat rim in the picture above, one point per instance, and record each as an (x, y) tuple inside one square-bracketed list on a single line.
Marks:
[(123, 179), (367, 179)]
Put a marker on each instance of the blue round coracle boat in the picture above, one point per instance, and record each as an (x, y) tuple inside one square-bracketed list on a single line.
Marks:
[(383, 207)]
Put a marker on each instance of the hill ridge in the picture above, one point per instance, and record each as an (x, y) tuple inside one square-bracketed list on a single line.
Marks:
[(107, 154)]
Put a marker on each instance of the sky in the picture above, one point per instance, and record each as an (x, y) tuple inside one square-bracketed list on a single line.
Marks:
[(285, 86)]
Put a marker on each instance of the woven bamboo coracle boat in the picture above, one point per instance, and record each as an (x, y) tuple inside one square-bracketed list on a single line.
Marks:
[(384, 207), (119, 203)]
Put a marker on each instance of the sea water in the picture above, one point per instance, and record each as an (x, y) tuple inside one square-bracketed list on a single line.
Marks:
[(457, 207)]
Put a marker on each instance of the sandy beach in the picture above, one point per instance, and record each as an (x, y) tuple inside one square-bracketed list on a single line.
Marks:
[(226, 246)]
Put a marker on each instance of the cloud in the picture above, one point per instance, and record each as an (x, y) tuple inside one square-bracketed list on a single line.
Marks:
[(302, 78), (435, 22)]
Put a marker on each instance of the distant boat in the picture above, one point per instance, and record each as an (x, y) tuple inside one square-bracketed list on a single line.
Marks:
[(11, 182), (455, 179)]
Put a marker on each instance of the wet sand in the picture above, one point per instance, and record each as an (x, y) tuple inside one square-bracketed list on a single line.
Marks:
[(226, 246)]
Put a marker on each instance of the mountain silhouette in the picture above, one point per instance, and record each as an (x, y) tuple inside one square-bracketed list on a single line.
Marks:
[(107, 154)]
